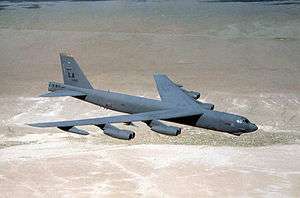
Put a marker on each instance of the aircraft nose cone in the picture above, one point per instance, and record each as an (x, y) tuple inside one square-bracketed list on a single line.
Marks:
[(253, 127)]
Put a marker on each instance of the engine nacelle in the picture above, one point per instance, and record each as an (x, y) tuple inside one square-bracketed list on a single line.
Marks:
[(195, 95), (208, 106), (164, 129), (113, 131)]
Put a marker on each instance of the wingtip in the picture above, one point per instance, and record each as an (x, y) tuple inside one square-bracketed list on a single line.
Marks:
[(30, 124), (65, 54), (43, 95), (34, 124), (157, 74)]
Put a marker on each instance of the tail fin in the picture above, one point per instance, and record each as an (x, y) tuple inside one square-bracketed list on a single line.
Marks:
[(72, 74)]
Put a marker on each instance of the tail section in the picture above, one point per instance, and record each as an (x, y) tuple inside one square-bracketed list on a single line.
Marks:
[(72, 74)]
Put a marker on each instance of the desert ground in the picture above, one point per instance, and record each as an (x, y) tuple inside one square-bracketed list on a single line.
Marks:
[(242, 56)]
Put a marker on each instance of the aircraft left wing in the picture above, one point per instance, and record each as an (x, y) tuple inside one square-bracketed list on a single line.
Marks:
[(172, 93), (152, 115)]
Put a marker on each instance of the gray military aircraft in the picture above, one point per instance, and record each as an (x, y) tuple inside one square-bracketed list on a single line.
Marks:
[(176, 105)]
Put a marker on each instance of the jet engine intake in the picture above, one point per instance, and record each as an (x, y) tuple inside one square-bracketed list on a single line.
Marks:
[(161, 128), (115, 132)]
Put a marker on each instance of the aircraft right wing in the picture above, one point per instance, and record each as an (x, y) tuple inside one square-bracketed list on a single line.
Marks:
[(152, 115)]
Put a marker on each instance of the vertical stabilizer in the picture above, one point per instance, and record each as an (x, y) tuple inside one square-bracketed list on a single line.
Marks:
[(72, 74)]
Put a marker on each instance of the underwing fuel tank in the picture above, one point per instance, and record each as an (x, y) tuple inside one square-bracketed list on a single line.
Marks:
[(163, 129), (115, 132)]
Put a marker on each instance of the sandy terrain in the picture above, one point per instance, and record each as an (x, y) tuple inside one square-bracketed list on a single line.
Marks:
[(72, 169), (245, 62)]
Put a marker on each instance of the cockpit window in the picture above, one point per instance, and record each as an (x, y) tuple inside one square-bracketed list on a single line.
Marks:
[(240, 121)]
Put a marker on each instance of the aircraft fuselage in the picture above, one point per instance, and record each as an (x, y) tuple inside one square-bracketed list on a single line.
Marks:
[(210, 119)]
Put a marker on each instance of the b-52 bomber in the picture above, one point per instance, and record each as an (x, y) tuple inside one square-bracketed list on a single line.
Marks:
[(176, 104)]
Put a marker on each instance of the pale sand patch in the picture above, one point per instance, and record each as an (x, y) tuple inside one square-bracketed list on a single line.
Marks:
[(74, 169)]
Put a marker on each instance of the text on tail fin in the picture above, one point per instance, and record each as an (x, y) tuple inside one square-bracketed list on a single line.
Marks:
[(72, 74)]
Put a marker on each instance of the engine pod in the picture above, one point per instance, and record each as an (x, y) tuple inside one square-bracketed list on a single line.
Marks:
[(208, 106), (193, 94), (115, 132), (164, 129)]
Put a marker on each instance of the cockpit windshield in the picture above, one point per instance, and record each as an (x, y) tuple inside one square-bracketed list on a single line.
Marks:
[(239, 121), (244, 120)]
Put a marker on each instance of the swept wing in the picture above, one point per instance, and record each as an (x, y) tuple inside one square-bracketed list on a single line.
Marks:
[(152, 115), (172, 93)]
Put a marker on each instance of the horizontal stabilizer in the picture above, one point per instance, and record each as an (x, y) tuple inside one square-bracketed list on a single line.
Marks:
[(74, 130), (61, 93)]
